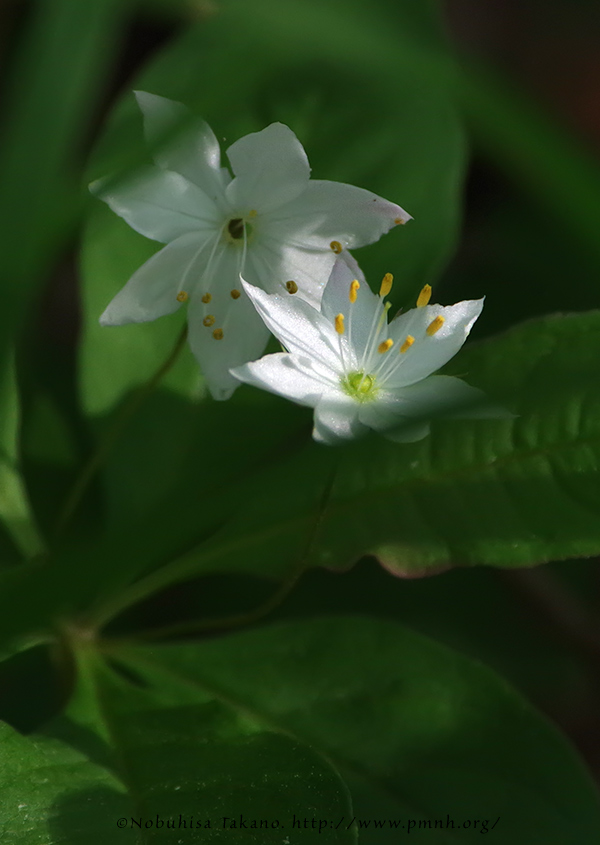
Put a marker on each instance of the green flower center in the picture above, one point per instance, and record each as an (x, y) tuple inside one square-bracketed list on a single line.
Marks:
[(360, 386)]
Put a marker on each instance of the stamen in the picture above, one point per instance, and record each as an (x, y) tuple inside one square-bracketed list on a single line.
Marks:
[(218, 334), (398, 221), (354, 287), (339, 324), (208, 321), (386, 284), (424, 297), (182, 296), (407, 343), (385, 345), (336, 247), (206, 298), (291, 287), (435, 325), (235, 294), (252, 213)]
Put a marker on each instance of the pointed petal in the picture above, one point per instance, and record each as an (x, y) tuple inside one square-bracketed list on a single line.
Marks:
[(299, 327), (270, 167), (444, 396), (182, 143), (333, 211), (385, 416), (152, 290), (336, 419), (280, 263), (360, 314), (280, 374), (408, 432), (244, 333), (429, 353), (159, 204)]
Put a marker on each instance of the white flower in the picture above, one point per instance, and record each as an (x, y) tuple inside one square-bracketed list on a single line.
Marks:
[(269, 223), (357, 371)]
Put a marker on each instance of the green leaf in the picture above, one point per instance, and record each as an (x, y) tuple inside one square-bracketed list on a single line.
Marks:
[(199, 767), (42, 780), (259, 65), (417, 731), (498, 492)]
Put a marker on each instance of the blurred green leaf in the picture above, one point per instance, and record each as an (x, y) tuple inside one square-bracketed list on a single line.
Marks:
[(15, 509), (418, 731), (544, 159), (58, 70)]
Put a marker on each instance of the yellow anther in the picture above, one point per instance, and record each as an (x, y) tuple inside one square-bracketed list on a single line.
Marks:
[(339, 324), (182, 296), (209, 320), (235, 294), (386, 284), (291, 287), (336, 247), (385, 345), (218, 334), (206, 298), (354, 287), (252, 213), (424, 297), (407, 343), (435, 325), (398, 221)]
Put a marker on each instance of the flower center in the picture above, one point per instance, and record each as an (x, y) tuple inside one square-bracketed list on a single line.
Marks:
[(360, 386), (236, 228)]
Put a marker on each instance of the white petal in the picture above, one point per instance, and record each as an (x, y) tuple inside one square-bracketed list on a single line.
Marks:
[(328, 211), (281, 263), (408, 432), (299, 327), (359, 315), (444, 396), (336, 419), (428, 353), (385, 416), (182, 143), (244, 333), (270, 169), (159, 204), (152, 290), (280, 374)]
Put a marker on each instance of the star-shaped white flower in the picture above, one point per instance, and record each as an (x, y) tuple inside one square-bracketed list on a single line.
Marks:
[(357, 371), (270, 223)]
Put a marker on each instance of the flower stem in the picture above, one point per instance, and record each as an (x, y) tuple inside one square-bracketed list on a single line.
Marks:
[(98, 457)]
